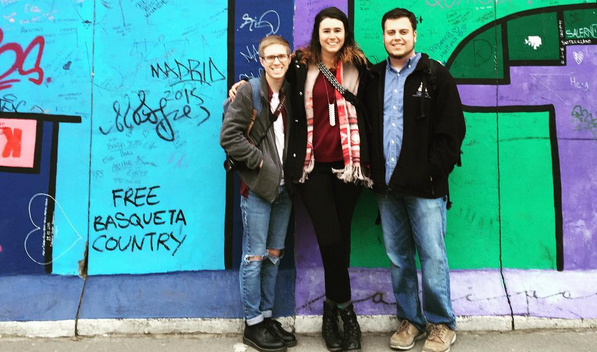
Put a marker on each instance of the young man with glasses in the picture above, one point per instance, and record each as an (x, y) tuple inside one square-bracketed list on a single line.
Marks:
[(265, 203)]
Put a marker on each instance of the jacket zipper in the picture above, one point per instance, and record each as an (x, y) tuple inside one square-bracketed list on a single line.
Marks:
[(281, 169), (432, 188)]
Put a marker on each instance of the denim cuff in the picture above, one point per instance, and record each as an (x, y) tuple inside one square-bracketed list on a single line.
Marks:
[(254, 321), (267, 314)]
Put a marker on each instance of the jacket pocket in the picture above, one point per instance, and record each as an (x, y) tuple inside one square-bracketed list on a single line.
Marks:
[(266, 179), (415, 178)]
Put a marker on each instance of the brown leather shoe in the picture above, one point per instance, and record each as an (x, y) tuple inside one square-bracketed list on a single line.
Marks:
[(405, 336), (440, 339)]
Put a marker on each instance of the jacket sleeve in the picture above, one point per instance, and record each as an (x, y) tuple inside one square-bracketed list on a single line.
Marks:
[(363, 120), (234, 126), (448, 128)]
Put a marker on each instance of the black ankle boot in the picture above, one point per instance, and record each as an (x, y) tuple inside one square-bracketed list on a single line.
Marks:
[(329, 328), (275, 328), (259, 337), (352, 330)]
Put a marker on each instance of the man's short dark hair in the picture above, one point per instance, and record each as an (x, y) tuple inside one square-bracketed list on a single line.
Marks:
[(399, 13)]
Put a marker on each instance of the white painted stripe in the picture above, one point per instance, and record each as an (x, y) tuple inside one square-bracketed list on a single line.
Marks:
[(57, 328), (301, 324)]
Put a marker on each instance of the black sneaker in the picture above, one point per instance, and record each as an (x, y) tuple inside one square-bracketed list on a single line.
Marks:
[(275, 328), (259, 337)]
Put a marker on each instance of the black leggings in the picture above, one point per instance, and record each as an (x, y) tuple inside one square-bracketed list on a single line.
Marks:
[(330, 203)]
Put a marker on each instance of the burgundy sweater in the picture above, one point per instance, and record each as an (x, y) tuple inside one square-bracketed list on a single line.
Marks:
[(327, 146)]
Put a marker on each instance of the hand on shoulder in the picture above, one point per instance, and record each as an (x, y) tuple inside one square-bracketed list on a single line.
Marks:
[(233, 90)]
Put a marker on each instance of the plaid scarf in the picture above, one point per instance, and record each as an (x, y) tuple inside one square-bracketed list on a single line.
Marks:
[(348, 76)]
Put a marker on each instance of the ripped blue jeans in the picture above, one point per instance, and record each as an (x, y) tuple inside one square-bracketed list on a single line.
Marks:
[(264, 227)]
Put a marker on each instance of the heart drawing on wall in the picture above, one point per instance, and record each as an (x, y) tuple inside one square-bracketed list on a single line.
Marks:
[(578, 56), (38, 230)]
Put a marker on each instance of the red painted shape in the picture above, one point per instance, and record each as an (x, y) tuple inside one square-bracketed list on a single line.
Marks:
[(21, 55), (13, 142)]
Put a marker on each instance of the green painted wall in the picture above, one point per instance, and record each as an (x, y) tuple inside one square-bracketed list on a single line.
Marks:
[(542, 24), (472, 240), (580, 24), (444, 22), (482, 57), (493, 189), (491, 217), (486, 196)]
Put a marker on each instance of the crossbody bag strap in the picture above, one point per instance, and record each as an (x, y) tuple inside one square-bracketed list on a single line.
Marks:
[(351, 98), (272, 119), (257, 105), (251, 123)]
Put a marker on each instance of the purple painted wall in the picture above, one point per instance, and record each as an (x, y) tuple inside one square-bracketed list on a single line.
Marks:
[(304, 15), (567, 88)]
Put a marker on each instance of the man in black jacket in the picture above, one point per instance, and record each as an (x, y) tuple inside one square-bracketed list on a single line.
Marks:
[(416, 131)]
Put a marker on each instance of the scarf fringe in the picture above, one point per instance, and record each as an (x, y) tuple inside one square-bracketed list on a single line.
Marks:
[(307, 171), (353, 173)]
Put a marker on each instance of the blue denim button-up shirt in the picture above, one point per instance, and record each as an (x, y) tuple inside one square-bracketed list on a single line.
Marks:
[(393, 112)]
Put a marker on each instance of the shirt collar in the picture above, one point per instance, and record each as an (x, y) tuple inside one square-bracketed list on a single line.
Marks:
[(407, 64)]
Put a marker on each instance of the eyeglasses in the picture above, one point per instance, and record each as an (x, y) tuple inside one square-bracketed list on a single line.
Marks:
[(271, 58)]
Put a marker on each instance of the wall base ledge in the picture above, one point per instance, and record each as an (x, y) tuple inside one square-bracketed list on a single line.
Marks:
[(304, 324)]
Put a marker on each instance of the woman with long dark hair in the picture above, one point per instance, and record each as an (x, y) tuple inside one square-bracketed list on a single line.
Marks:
[(325, 155)]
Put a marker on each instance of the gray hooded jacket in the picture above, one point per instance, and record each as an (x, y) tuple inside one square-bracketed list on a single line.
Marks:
[(265, 181)]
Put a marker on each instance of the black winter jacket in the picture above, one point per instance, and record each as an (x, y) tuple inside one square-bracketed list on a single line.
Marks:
[(297, 135), (434, 128)]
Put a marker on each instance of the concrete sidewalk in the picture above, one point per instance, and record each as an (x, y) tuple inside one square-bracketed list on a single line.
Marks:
[(511, 341)]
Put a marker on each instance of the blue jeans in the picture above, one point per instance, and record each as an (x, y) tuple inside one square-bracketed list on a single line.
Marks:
[(411, 225), (264, 227)]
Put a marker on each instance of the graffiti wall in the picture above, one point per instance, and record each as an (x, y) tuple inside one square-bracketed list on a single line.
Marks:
[(114, 202)]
